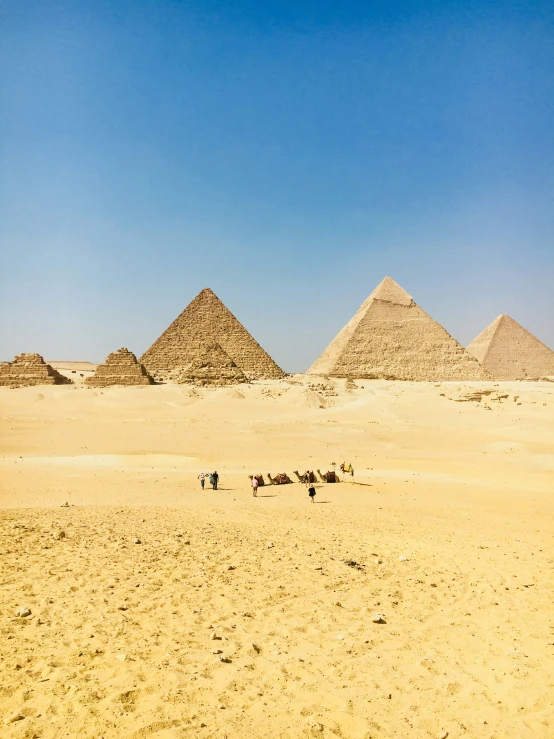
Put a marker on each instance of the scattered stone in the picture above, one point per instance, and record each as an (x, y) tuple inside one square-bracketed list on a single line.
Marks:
[(138, 541), (13, 718), (121, 657), (378, 618), (23, 612), (353, 563), (443, 735), (213, 636), (231, 567), (256, 648), (339, 604), (270, 545), (402, 558), (60, 535), (217, 651)]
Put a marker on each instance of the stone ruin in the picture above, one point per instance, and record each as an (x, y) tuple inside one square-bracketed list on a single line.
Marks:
[(204, 322), (29, 369), (392, 338), (213, 367), (120, 368)]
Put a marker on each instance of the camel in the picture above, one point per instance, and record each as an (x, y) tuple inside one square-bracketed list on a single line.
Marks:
[(305, 476), (347, 469), (260, 479), (280, 479), (328, 477)]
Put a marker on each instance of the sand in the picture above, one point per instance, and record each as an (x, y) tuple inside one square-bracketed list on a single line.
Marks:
[(239, 617)]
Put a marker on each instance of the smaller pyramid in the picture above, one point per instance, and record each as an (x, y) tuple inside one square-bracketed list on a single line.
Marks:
[(510, 352), (204, 322), (213, 367), (29, 369), (391, 337), (120, 368)]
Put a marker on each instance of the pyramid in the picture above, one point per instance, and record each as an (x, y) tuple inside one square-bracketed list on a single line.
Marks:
[(29, 369), (510, 352), (120, 368), (391, 337), (204, 322), (213, 367)]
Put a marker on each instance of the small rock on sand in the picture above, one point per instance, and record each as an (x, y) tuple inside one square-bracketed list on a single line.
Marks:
[(59, 535), (402, 558), (23, 612), (378, 618), (443, 735), (13, 718)]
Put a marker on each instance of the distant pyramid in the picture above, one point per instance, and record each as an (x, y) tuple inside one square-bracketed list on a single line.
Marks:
[(391, 337), (204, 322), (509, 352), (213, 367), (120, 368), (29, 369)]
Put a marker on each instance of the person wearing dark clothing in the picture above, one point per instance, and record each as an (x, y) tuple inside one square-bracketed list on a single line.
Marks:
[(311, 493), (215, 478)]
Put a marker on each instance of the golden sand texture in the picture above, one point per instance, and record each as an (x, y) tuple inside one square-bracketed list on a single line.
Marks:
[(391, 337), (120, 368), (159, 610), (510, 352), (28, 370), (205, 321)]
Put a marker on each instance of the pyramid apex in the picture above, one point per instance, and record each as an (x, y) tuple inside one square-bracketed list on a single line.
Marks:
[(391, 292)]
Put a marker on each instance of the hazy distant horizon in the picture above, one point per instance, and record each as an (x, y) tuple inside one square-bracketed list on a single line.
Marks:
[(287, 155)]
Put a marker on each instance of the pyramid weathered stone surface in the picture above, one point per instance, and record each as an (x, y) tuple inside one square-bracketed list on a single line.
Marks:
[(29, 369), (213, 367), (206, 321), (391, 337), (120, 368), (510, 352)]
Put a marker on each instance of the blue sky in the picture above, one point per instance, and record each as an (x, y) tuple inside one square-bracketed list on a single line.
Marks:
[(288, 155)]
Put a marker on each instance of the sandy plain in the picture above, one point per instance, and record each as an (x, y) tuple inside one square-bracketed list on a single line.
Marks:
[(127, 639)]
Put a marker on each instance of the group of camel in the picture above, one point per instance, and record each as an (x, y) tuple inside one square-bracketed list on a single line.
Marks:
[(306, 477)]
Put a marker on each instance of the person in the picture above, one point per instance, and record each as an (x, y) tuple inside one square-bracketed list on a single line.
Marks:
[(255, 486), (311, 492), (215, 478), (202, 478)]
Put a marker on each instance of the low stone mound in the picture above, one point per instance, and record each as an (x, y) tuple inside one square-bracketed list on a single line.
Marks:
[(120, 368), (214, 367), (29, 369)]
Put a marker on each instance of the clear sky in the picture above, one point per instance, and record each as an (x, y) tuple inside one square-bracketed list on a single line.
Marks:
[(288, 155)]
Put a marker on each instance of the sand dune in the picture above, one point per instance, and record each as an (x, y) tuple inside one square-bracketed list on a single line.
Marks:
[(165, 611)]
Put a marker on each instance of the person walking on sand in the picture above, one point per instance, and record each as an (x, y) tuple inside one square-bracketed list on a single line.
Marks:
[(202, 478), (311, 492), (215, 478), (255, 486)]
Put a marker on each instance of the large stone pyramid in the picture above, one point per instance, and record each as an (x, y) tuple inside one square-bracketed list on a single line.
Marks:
[(120, 368), (391, 337), (213, 367), (29, 369), (510, 352), (204, 322)]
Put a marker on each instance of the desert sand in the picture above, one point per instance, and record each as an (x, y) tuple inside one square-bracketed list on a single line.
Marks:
[(159, 610)]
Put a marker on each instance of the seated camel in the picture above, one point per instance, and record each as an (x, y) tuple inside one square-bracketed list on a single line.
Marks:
[(347, 469), (280, 479), (306, 477), (260, 479), (328, 477)]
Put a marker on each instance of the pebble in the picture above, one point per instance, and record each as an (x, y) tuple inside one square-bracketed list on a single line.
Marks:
[(270, 545), (59, 534), (443, 735), (378, 618), (231, 567), (217, 651), (256, 648), (13, 718), (213, 636), (402, 558), (138, 541), (121, 657), (221, 707), (23, 612)]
